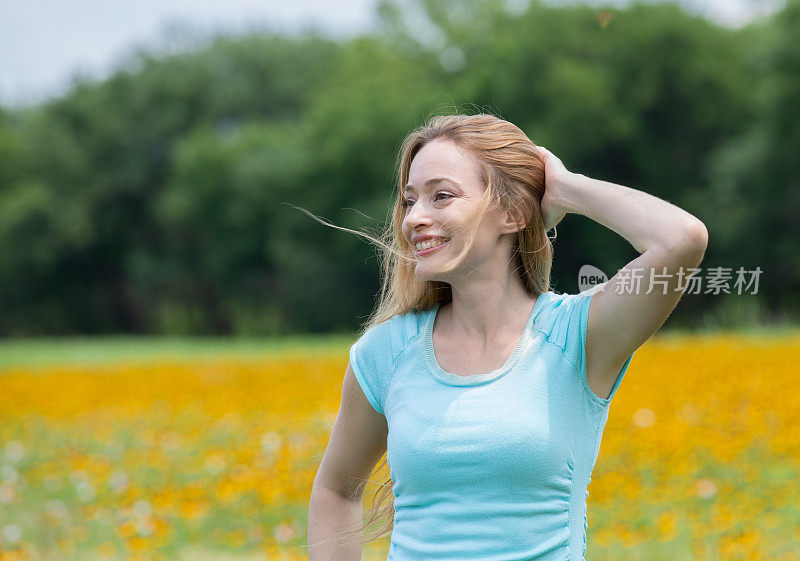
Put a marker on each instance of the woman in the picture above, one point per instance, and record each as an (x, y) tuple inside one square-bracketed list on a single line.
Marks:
[(488, 391)]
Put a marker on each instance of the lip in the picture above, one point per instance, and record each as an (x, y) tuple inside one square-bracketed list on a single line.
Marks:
[(424, 237), (430, 249)]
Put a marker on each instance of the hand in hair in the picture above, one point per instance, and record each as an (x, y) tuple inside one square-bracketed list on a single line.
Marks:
[(555, 174)]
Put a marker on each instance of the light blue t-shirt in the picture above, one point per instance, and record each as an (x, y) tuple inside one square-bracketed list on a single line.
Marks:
[(490, 466)]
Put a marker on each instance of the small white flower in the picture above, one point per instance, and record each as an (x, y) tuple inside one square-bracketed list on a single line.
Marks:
[(56, 509), (283, 533), (14, 451), (9, 474), (270, 442), (644, 418), (706, 488), (118, 481), (12, 533), (142, 508)]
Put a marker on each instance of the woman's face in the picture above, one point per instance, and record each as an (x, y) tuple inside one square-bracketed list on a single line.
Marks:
[(442, 199)]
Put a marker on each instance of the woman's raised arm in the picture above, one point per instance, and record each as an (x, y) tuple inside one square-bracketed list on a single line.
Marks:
[(624, 314)]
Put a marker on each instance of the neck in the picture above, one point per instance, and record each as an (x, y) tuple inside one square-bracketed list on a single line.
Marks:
[(487, 310)]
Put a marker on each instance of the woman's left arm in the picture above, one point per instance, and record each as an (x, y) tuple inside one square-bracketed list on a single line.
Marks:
[(624, 314)]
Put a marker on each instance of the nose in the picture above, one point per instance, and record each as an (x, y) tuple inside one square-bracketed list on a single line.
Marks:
[(416, 215)]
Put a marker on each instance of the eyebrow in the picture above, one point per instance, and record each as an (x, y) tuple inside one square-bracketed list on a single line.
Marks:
[(432, 181)]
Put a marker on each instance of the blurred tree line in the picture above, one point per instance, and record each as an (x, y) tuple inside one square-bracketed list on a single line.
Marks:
[(162, 199)]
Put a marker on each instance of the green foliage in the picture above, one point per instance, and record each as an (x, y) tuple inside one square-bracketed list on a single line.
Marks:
[(160, 200)]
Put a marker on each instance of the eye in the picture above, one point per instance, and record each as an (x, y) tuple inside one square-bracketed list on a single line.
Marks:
[(407, 203)]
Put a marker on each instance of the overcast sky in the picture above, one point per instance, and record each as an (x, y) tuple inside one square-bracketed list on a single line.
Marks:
[(43, 43)]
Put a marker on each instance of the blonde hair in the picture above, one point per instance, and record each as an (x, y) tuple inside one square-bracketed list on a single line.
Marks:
[(513, 173)]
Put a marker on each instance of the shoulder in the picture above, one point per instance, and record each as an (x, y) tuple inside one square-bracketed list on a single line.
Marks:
[(392, 336), (373, 355), (560, 312), (403, 328), (563, 320), (565, 323)]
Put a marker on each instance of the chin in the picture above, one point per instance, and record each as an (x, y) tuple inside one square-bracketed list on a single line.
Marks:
[(424, 275), (428, 275)]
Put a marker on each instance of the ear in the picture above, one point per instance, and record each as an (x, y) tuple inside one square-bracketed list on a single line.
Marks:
[(512, 225)]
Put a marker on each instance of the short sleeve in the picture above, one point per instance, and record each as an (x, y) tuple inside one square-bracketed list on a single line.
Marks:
[(568, 322), (371, 358)]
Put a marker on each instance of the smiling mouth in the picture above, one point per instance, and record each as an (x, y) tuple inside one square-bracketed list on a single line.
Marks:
[(431, 249)]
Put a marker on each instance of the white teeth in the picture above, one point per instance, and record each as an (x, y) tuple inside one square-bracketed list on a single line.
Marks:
[(430, 244)]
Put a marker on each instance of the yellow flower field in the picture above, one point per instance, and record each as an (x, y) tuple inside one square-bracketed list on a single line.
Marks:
[(213, 458)]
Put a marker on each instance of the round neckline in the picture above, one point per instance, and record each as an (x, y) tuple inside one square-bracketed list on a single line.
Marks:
[(452, 379)]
